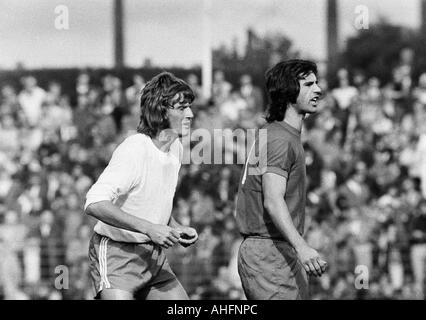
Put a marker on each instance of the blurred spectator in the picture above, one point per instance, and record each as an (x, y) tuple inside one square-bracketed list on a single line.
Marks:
[(421, 154), (418, 248), (232, 107), (251, 94), (49, 233), (12, 236), (344, 95), (221, 88), (31, 99), (133, 92), (54, 93), (193, 82), (56, 112), (401, 84), (84, 119), (9, 135), (115, 98), (105, 127), (83, 84), (9, 105), (370, 103), (419, 94)]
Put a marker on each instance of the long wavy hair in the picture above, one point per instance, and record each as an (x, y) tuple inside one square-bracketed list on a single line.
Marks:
[(282, 85), (156, 97)]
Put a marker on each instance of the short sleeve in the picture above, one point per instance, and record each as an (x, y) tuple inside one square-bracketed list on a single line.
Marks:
[(277, 156), (118, 178)]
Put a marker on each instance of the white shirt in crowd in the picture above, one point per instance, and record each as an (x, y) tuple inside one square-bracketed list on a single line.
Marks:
[(141, 180), (345, 96), (31, 103)]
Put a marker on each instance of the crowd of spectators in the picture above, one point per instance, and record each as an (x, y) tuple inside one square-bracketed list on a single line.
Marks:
[(366, 198)]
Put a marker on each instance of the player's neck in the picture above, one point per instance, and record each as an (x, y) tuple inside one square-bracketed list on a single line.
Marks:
[(294, 118), (164, 140)]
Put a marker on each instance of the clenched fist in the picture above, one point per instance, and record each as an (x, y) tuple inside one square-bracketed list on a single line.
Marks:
[(311, 261), (164, 236)]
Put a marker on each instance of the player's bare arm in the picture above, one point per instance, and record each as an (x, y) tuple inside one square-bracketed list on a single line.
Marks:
[(108, 213), (274, 187)]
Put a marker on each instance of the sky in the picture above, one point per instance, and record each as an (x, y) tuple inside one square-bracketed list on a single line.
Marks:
[(170, 32)]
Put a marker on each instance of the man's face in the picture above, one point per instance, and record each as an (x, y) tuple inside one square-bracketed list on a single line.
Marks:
[(245, 80), (29, 83), (309, 94), (219, 76), (180, 116)]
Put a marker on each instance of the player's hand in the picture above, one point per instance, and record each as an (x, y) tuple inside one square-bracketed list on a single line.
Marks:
[(188, 236), (311, 261), (164, 236)]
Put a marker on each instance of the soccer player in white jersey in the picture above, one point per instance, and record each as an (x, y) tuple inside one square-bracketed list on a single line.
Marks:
[(133, 197)]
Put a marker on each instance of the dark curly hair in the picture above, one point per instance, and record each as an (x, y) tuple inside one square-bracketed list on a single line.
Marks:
[(282, 85), (156, 97)]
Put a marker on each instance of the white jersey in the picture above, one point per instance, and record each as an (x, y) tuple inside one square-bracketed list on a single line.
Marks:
[(141, 180)]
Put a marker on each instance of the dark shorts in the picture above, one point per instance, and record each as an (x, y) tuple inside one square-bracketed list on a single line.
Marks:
[(127, 266), (269, 270)]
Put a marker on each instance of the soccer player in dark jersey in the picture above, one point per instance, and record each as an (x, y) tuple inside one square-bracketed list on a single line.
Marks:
[(274, 260)]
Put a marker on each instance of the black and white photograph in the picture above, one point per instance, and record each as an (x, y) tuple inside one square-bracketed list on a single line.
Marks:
[(212, 150)]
